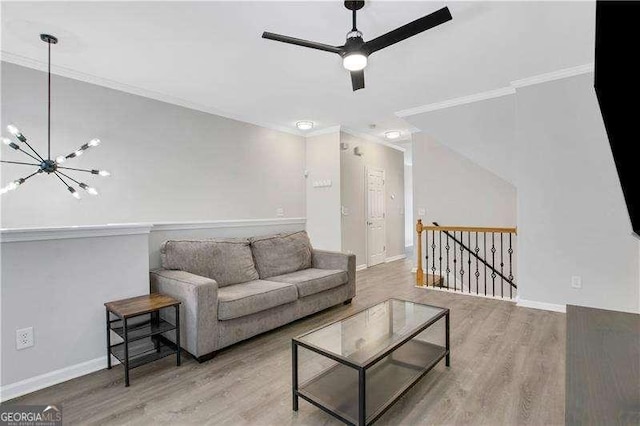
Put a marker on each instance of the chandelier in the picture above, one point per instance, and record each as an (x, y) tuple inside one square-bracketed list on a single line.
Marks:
[(49, 166)]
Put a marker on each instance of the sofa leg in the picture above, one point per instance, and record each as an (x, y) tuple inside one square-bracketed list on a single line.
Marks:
[(347, 302), (206, 357)]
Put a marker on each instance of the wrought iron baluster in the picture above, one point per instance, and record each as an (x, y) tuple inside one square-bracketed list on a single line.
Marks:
[(426, 264), (493, 263), (484, 253), (461, 262), (510, 269), (433, 254), (455, 263), (501, 267), (447, 247), (440, 254), (477, 267), (469, 259)]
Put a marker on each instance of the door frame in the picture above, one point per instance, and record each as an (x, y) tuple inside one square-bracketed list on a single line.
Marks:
[(366, 209)]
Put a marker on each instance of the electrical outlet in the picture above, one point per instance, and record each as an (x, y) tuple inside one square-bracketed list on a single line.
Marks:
[(280, 212), (421, 212), (24, 338), (576, 281)]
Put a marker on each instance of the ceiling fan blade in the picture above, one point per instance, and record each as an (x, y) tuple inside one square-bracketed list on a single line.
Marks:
[(301, 42), (412, 28), (357, 80)]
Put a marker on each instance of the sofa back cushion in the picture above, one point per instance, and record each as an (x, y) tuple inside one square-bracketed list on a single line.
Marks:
[(226, 261), (281, 254)]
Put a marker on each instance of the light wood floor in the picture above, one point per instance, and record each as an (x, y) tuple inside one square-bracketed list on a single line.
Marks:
[(507, 367)]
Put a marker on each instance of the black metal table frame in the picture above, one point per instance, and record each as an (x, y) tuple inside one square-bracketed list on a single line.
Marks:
[(155, 316), (362, 413)]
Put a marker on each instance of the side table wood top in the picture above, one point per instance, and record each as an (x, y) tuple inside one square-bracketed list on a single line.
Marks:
[(135, 306)]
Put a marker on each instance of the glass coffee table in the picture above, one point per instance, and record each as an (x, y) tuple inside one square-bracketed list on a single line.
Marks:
[(357, 367)]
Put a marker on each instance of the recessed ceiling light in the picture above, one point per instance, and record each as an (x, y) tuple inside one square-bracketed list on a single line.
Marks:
[(392, 134), (304, 125)]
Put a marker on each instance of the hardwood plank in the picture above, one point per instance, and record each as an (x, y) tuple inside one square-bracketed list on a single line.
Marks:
[(507, 367), (603, 367)]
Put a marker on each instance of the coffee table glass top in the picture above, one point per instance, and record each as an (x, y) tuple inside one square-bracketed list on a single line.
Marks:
[(365, 335)]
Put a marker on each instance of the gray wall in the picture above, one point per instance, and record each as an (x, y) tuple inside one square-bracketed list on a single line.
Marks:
[(352, 168), (572, 218), (169, 163), (456, 191), (58, 287)]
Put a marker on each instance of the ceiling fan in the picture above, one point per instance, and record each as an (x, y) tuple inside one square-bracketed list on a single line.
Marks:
[(355, 51)]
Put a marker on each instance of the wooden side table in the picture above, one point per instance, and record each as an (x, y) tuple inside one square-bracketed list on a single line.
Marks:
[(141, 336)]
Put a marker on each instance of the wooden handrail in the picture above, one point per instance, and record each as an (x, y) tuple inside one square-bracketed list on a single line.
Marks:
[(470, 229)]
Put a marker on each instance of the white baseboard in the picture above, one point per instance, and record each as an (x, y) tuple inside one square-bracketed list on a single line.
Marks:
[(541, 305), (394, 258), (465, 293), (361, 267), (23, 387)]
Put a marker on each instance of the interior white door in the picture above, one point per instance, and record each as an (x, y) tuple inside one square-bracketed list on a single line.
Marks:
[(376, 250)]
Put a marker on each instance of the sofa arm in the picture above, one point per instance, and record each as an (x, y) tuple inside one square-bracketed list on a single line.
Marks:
[(323, 259), (198, 311)]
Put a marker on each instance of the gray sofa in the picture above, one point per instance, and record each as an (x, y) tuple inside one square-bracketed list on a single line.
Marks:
[(234, 289)]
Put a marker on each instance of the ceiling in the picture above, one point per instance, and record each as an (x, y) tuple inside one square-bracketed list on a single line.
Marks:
[(210, 54)]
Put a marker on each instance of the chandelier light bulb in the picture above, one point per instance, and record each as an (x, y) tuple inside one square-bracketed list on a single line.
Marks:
[(6, 141), (89, 189), (94, 142), (78, 153), (73, 192), (60, 159), (104, 173), (13, 130)]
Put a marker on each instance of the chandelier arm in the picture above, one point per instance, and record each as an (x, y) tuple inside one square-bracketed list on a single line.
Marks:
[(31, 148), (77, 170), (25, 152), (68, 177), (61, 180), (20, 162), (32, 174)]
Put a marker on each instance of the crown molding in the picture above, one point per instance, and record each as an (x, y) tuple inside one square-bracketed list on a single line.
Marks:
[(135, 90), (373, 139), (325, 131), (504, 91), (491, 94), (555, 75), (14, 235)]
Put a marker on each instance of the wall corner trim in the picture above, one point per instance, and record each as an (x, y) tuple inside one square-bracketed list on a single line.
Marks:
[(32, 384), (13, 235), (541, 305)]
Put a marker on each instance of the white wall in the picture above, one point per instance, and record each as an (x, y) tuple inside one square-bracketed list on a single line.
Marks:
[(353, 195), (323, 204), (572, 216), (456, 191), (169, 163), (59, 287)]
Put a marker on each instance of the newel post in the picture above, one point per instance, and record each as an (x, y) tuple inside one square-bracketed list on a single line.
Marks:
[(419, 272)]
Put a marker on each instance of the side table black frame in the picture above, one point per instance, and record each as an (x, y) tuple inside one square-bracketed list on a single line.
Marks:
[(152, 328)]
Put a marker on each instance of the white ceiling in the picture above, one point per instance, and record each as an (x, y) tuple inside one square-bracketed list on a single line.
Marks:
[(210, 54)]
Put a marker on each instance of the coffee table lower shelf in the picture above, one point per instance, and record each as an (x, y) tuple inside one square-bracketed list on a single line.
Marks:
[(335, 390)]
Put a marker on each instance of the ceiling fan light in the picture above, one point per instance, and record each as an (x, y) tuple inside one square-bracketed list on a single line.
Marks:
[(392, 134), (304, 125), (355, 61)]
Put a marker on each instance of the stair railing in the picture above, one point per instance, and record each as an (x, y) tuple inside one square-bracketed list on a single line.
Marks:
[(469, 256)]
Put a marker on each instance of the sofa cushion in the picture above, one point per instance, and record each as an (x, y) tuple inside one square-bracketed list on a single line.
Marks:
[(282, 253), (226, 261), (312, 281), (238, 300)]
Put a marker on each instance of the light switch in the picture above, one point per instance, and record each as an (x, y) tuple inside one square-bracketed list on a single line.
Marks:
[(421, 212)]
